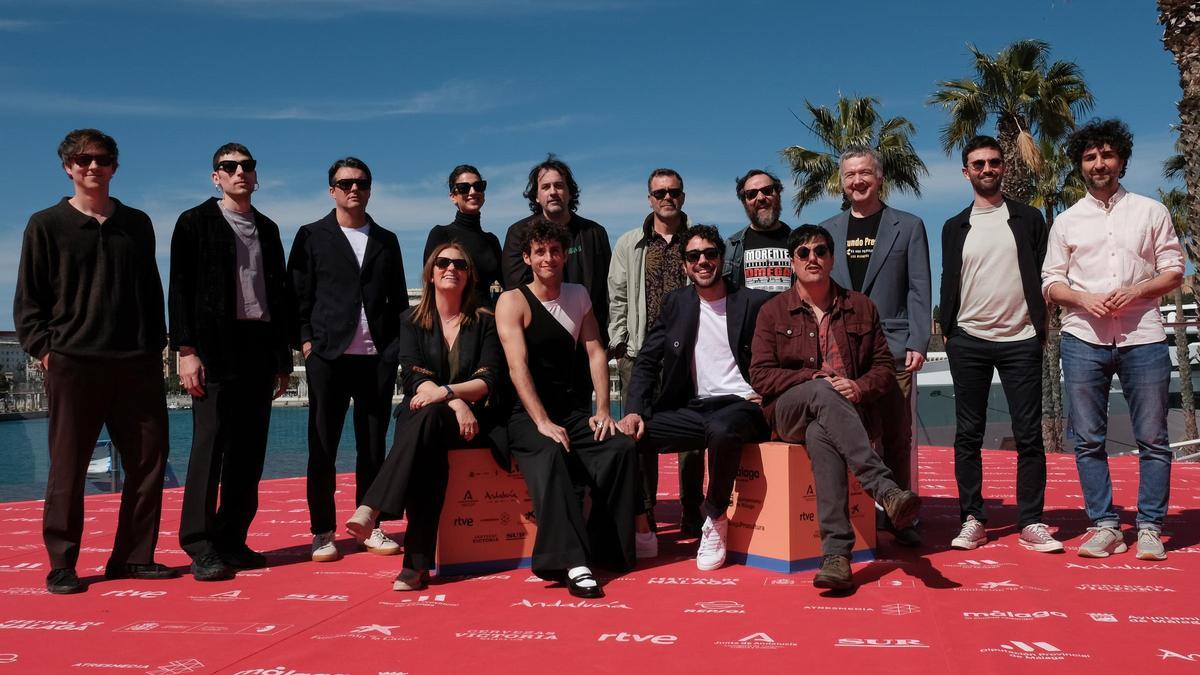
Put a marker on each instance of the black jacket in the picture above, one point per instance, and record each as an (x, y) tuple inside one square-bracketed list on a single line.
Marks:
[(1030, 232), (202, 300), (330, 287), (589, 267), (483, 247), (671, 342)]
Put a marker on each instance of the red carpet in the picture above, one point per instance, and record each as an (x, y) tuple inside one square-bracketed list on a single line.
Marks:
[(996, 609)]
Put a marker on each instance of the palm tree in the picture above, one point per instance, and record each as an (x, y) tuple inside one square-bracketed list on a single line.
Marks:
[(854, 122), (1181, 37), (1176, 201), (1026, 94)]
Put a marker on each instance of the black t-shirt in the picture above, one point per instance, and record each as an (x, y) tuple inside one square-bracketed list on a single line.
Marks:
[(765, 262), (860, 242)]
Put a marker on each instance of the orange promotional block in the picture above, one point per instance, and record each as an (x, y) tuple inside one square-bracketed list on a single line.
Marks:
[(773, 514), (487, 522)]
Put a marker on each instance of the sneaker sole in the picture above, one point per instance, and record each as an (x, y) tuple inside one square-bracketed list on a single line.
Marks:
[(959, 545), (710, 567), (1150, 555), (1056, 547), (1103, 553), (383, 550), (326, 557), (360, 531)]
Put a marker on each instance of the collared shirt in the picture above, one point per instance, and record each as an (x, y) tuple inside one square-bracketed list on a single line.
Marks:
[(664, 271), (1096, 247), (831, 356)]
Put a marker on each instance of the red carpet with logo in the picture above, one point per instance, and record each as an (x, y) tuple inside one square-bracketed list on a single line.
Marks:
[(999, 608)]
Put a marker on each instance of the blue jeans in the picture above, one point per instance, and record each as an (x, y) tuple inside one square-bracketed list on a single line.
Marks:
[(1145, 374)]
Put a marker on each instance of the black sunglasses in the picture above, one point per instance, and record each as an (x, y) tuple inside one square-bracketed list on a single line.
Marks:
[(459, 264), (820, 250), (345, 184), (994, 162), (767, 191), (85, 160), (675, 193), (693, 256), (230, 166), (465, 188)]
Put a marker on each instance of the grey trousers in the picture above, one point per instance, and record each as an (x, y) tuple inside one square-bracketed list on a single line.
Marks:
[(828, 425)]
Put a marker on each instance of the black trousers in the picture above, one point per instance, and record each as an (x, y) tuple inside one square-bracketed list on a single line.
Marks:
[(369, 381), (1020, 367), (229, 445), (691, 465), (829, 426), (127, 395), (896, 428), (414, 477), (557, 478), (722, 425)]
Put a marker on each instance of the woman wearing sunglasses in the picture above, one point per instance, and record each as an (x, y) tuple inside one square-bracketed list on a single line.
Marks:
[(451, 362), (466, 191)]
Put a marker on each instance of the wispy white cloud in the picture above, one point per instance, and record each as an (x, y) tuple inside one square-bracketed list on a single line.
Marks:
[(321, 9), (20, 25), (450, 97)]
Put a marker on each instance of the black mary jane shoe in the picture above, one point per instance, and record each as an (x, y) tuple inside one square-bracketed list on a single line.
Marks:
[(580, 591)]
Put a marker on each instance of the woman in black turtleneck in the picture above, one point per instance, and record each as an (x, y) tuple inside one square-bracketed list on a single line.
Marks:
[(466, 191)]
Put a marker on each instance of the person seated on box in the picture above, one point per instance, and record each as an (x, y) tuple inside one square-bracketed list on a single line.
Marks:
[(819, 359), (452, 364), (556, 362), (690, 386)]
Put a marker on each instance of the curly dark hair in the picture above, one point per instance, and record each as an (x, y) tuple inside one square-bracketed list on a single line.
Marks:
[(543, 229), (1098, 133), (551, 163), (740, 184), (706, 232)]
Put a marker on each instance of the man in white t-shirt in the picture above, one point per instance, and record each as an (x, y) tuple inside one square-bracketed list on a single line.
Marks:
[(700, 348), (348, 276), (994, 319)]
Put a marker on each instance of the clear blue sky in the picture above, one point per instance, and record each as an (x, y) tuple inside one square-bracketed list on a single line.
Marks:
[(414, 87)]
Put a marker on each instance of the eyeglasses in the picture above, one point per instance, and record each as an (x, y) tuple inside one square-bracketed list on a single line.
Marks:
[(820, 250), (465, 188), (459, 264), (752, 193), (693, 255), (675, 193), (230, 166), (994, 162), (84, 160), (345, 184)]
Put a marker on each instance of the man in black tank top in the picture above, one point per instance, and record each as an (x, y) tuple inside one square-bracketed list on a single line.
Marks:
[(552, 344)]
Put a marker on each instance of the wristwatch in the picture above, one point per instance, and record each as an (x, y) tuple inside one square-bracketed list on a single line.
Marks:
[(450, 395)]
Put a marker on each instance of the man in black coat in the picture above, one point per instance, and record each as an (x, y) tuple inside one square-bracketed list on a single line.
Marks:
[(700, 346), (553, 194), (230, 305), (348, 276)]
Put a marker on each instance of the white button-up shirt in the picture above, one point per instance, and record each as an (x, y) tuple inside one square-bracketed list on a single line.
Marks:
[(1096, 247)]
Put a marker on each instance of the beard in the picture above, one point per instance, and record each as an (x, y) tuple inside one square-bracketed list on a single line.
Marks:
[(763, 222), (984, 190)]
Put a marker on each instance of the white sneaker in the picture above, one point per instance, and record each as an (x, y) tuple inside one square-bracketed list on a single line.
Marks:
[(646, 545), (323, 548), (1036, 537), (711, 554), (380, 544), (971, 536)]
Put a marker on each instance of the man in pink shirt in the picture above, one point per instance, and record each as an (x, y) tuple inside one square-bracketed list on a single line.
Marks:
[(1110, 258)]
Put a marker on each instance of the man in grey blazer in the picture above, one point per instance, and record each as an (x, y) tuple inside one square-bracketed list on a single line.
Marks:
[(884, 254)]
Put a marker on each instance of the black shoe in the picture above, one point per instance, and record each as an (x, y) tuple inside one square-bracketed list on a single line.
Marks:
[(63, 581), (210, 567), (901, 507), (139, 571), (907, 537), (244, 558), (690, 524), (835, 573), (584, 591)]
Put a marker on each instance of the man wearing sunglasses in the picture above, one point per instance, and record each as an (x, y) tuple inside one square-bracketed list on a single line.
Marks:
[(820, 361), (758, 253), (553, 194), (348, 277), (883, 253), (230, 304), (647, 264), (994, 319), (88, 306), (699, 349)]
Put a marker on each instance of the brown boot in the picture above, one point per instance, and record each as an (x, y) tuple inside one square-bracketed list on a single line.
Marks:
[(835, 573), (901, 507)]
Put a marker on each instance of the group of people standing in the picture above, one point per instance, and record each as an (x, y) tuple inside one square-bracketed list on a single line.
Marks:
[(808, 335)]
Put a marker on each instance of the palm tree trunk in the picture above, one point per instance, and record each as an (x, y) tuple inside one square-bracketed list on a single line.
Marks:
[(1187, 401), (1018, 178), (1052, 409)]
